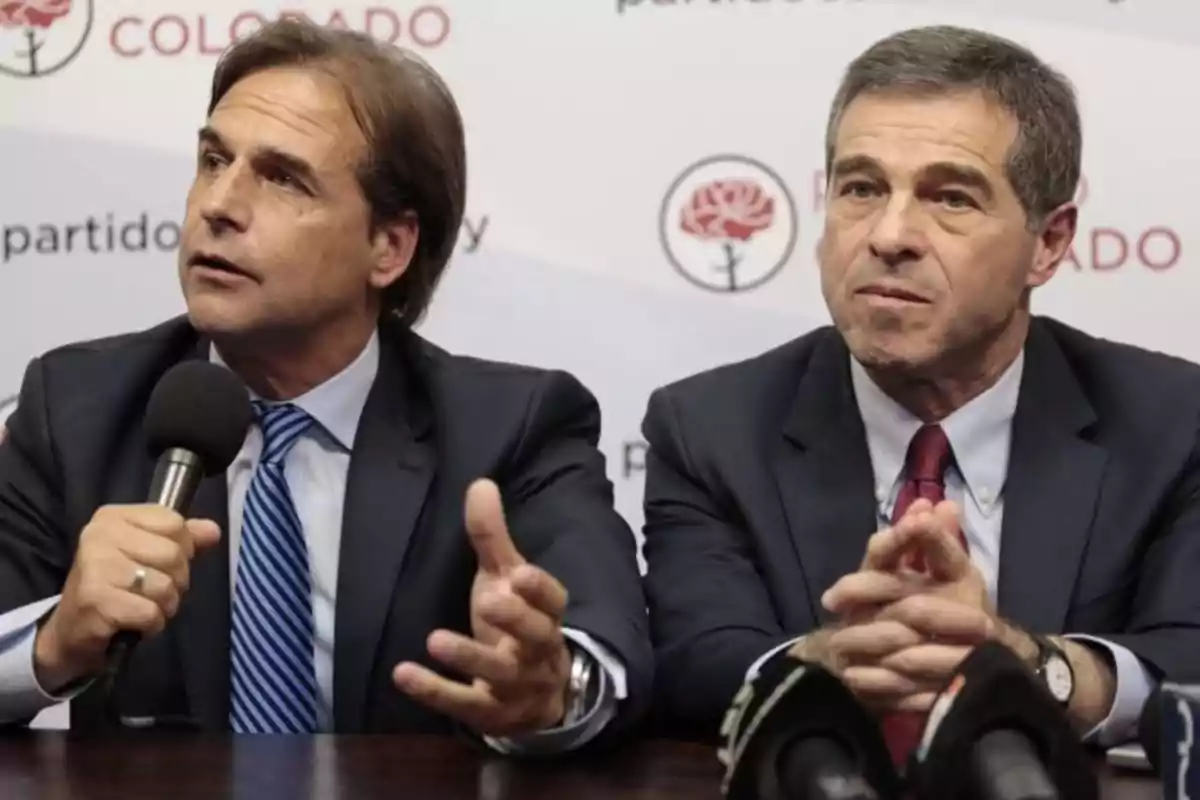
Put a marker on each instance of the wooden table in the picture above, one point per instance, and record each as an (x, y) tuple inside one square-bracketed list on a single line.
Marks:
[(56, 766)]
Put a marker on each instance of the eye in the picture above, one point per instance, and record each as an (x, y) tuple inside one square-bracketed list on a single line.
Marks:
[(955, 199), (210, 160), (283, 178), (859, 189)]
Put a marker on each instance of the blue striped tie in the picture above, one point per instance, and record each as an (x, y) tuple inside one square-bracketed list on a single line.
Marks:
[(273, 681)]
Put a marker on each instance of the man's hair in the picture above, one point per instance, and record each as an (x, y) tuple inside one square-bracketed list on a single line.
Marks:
[(416, 156), (1044, 162)]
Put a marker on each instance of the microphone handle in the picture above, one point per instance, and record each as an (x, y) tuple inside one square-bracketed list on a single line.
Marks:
[(1006, 766), (177, 476), (817, 768)]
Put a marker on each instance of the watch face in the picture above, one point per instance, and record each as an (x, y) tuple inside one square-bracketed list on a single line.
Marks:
[(1058, 678)]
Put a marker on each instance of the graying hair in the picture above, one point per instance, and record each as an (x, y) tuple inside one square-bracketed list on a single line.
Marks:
[(1044, 162)]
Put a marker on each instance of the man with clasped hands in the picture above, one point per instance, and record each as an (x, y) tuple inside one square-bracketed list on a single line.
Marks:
[(329, 581), (939, 467)]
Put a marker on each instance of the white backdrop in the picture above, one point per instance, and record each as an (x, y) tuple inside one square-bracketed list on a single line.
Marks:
[(595, 130)]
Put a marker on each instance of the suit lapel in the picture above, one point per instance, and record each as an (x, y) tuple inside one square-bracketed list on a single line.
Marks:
[(824, 473), (391, 468), (1051, 492)]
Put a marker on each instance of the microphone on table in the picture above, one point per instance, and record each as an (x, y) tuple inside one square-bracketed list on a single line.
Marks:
[(796, 732), (996, 733), (196, 422)]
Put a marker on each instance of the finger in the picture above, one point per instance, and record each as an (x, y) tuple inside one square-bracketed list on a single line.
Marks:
[(541, 590), (152, 518), (474, 659), (123, 611), (872, 640), (536, 634), (487, 529), (918, 506), (936, 537), (152, 552), (868, 588), (471, 705), (884, 550), (876, 684), (926, 661), (921, 702), (157, 587), (941, 618), (205, 533)]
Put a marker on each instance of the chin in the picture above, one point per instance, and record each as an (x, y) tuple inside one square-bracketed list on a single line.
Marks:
[(892, 353), (215, 317)]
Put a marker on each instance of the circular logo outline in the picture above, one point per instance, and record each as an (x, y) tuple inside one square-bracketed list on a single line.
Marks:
[(793, 215), (87, 32)]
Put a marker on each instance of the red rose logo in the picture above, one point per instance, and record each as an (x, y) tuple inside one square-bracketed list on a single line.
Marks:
[(728, 211), (32, 13)]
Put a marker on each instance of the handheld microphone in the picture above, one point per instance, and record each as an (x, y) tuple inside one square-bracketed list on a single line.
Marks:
[(796, 732), (196, 421), (996, 733)]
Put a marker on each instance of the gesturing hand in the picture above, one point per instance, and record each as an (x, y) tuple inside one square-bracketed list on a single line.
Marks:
[(517, 658)]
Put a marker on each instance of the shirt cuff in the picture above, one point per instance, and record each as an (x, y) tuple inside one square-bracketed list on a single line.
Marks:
[(563, 739), (1134, 685), (21, 696), (752, 673)]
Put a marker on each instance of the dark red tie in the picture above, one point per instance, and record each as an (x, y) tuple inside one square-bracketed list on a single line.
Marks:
[(924, 478)]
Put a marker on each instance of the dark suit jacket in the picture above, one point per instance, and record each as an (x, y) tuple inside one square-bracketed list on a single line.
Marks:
[(432, 423), (759, 496)]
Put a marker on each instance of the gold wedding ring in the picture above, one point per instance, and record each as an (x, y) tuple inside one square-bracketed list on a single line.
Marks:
[(139, 580)]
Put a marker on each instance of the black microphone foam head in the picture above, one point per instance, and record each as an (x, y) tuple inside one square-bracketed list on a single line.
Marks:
[(788, 701), (993, 690), (1150, 728), (201, 407)]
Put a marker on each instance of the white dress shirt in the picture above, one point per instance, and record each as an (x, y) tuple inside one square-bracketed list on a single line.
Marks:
[(316, 469), (980, 434)]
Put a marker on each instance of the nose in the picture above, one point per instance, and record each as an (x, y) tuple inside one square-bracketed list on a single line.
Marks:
[(896, 237), (225, 202)]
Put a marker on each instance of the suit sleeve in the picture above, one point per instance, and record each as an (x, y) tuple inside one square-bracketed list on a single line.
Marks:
[(559, 505), (710, 613), (34, 557), (1164, 621)]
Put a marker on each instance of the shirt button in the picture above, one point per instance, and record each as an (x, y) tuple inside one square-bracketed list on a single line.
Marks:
[(985, 496)]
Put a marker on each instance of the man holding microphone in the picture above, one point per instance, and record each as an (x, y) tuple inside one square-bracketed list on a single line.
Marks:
[(407, 540)]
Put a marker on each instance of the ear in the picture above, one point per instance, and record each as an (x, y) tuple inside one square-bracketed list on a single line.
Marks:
[(393, 247), (1053, 243)]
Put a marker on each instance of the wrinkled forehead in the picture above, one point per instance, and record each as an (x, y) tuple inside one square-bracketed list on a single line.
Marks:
[(303, 112), (905, 133)]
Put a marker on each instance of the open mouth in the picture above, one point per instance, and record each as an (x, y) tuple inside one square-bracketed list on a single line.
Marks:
[(217, 264)]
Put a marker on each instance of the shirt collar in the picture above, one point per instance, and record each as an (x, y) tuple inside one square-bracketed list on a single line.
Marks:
[(980, 432), (337, 404)]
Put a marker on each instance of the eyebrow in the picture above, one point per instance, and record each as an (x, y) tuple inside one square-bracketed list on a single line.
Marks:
[(946, 172), (938, 172), (846, 166), (267, 155)]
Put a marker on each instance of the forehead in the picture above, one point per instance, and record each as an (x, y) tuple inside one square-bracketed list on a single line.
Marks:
[(303, 112), (904, 132)]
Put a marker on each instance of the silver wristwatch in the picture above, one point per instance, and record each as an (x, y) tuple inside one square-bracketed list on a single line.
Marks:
[(1054, 670), (581, 686)]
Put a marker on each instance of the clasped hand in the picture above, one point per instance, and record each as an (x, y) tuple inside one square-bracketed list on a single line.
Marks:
[(903, 631), (517, 659)]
